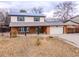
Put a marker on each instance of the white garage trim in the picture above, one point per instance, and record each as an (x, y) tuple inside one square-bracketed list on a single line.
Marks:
[(56, 30)]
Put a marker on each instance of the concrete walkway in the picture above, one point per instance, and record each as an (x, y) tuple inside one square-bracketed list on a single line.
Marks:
[(70, 38)]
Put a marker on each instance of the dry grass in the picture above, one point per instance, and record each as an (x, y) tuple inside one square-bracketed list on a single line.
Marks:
[(26, 46)]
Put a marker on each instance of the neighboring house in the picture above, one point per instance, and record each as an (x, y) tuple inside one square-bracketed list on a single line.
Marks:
[(72, 25), (29, 23)]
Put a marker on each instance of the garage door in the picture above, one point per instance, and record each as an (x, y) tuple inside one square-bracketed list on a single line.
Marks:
[(56, 30)]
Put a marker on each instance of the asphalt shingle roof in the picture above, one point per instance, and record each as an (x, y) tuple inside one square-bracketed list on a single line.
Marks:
[(70, 23), (34, 24), (75, 19), (25, 14)]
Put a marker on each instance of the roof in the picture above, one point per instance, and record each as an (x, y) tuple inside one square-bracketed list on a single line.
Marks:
[(53, 20), (70, 23), (25, 14), (75, 19), (16, 24)]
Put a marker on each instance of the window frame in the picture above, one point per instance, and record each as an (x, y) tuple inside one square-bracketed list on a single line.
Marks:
[(36, 19), (22, 29)]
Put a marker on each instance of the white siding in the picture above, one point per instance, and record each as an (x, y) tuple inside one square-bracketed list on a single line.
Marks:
[(56, 30), (41, 19), (13, 19), (29, 19)]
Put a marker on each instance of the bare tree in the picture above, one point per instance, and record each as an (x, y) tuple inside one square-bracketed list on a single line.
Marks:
[(3, 16), (65, 10), (38, 10)]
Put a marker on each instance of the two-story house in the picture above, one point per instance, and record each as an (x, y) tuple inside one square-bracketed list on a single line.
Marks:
[(29, 23)]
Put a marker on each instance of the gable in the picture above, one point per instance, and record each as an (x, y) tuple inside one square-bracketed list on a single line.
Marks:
[(70, 23), (75, 19)]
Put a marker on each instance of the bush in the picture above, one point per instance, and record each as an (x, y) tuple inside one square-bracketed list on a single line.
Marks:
[(50, 36), (13, 34), (38, 42)]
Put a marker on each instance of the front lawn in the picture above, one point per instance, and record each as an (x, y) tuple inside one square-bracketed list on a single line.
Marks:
[(36, 46)]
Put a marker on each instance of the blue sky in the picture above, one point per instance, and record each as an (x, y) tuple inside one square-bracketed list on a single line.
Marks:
[(47, 5)]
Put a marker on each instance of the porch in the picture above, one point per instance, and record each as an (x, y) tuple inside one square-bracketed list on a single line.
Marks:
[(29, 30)]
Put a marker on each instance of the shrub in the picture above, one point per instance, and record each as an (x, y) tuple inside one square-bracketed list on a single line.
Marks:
[(13, 34), (38, 42), (50, 36)]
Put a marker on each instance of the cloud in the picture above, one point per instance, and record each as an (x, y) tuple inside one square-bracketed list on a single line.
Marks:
[(25, 4), (47, 5), (49, 14)]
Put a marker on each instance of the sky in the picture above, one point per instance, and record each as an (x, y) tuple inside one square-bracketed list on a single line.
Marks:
[(27, 4), (47, 5)]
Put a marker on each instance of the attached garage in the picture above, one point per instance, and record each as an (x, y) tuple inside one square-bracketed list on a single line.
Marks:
[(56, 30)]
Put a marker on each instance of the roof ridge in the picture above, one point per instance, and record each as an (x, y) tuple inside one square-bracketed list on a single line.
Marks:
[(74, 21)]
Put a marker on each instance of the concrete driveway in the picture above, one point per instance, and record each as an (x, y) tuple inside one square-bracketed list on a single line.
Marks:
[(70, 38)]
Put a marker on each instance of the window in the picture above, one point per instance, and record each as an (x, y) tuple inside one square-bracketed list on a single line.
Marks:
[(20, 18), (36, 19), (24, 29)]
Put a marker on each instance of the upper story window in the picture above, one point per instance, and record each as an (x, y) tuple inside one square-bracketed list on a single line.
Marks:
[(36, 19), (20, 18)]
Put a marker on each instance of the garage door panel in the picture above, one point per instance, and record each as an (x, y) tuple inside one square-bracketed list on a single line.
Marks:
[(56, 30)]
